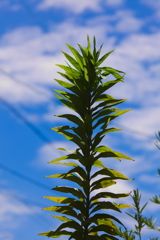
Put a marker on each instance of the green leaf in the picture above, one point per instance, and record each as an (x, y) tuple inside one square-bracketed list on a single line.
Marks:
[(73, 119), (107, 104), (104, 228), (103, 120), (98, 163), (76, 54), (69, 70), (72, 61), (76, 235), (111, 173), (67, 164), (79, 171), (55, 235), (107, 152), (103, 205), (109, 195), (62, 218), (74, 191), (103, 58), (100, 135), (62, 200), (74, 156), (102, 183), (69, 177), (70, 224), (105, 86), (70, 136), (105, 113), (100, 219), (98, 52), (79, 206), (64, 210)]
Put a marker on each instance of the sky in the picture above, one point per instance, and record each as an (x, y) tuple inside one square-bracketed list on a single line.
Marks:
[(32, 34)]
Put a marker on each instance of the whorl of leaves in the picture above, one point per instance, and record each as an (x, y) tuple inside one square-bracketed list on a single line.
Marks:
[(86, 87)]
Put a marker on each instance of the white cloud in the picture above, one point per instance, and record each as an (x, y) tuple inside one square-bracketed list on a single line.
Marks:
[(70, 5), (6, 236), (144, 120), (114, 3), (128, 23), (7, 6), (49, 152), (78, 7), (30, 55), (12, 207), (155, 5)]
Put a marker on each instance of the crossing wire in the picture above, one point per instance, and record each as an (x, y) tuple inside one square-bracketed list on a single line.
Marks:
[(26, 85), (34, 129)]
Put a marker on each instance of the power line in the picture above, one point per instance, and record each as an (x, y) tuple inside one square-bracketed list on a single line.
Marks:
[(34, 129), (20, 199), (24, 84), (27, 202), (24, 177), (134, 131)]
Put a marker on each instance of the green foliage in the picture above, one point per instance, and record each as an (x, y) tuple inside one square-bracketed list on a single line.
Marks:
[(139, 218), (86, 87), (138, 213)]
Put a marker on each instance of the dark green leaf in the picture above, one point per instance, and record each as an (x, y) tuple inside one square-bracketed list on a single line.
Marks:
[(111, 173), (72, 61), (76, 54), (74, 191), (103, 205), (109, 195), (102, 183), (63, 209), (55, 235), (103, 58)]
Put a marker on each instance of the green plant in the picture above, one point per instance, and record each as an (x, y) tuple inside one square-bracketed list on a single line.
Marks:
[(94, 110), (140, 219), (138, 213)]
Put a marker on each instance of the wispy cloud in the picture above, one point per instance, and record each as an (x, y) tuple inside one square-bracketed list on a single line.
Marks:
[(70, 5), (78, 7), (7, 5), (12, 207), (155, 5)]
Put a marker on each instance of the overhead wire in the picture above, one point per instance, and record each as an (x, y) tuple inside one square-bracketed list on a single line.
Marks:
[(31, 126), (24, 177), (26, 85), (34, 129), (27, 202), (135, 131)]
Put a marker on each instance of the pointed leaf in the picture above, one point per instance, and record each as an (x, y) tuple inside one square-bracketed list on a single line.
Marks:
[(100, 218), (64, 210), (62, 218), (103, 205), (102, 183), (107, 152), (110, 172), (76, 54), (56, 235), (72, 61), (63, 200), (103, 58), (74, 191), (109, 195)]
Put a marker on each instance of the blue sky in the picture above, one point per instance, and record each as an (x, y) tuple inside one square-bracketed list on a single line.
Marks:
[(32, 34)]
